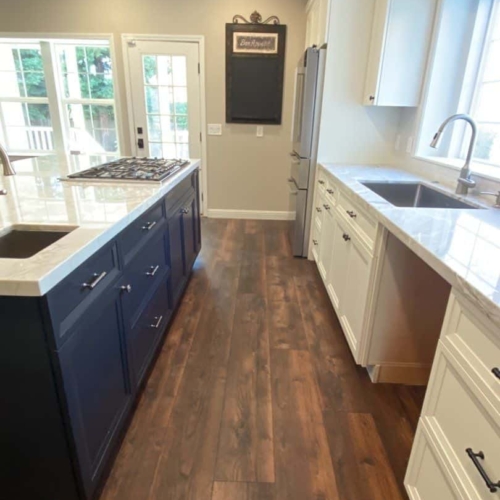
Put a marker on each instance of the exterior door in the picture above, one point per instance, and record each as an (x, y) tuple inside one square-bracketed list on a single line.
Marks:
[(166, 98)]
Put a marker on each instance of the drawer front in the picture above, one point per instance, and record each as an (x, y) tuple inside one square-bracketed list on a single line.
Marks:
[(322, 181), (462, 419), (476, 345), (427, 477), (331, 192), (137, 233), (363, 224), (181, 191), (72, 296), (315, 241), (148, 331), (142, 275)]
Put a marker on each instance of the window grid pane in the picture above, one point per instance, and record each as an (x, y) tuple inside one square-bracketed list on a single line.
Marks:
[(165, 85)]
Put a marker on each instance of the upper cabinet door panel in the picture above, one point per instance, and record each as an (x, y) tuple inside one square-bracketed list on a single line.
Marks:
[(401, 38)]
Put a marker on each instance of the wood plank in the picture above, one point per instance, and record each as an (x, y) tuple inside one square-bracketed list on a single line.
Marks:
[(186, 466), (253, 266), (276, 234), (286, 328), (342, 383), (243, 491), (304, 467), (246, 440), (360, 460)]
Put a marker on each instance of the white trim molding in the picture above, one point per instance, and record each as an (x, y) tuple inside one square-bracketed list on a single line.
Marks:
[(249, 214)]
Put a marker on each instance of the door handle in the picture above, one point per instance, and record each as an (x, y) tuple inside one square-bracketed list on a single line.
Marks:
[(153, 271), (96, 279), (493, 487), (158, 322), (148, 226)]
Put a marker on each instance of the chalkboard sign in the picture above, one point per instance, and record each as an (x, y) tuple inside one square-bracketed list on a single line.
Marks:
[(255, 67)]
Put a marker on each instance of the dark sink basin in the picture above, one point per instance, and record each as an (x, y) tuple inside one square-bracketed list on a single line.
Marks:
[(22, 244), (415, 195)]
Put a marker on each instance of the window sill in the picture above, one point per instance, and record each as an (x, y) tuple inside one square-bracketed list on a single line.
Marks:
[(477, 169)]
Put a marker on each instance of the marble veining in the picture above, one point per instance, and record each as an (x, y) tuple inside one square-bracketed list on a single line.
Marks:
[(99, 211), (462, 245)]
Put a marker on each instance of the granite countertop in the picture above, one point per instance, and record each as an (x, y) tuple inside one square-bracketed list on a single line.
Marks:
[(94, 211), (463, 246)]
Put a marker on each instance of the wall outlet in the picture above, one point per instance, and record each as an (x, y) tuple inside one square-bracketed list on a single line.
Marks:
[(409, 145), (260, 131), (214, 129), (397, 144)]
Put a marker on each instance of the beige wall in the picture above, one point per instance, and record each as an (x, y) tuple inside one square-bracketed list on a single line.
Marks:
[(244, 172)]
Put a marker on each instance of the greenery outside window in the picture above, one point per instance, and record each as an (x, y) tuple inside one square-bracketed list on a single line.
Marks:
[(57, 95)]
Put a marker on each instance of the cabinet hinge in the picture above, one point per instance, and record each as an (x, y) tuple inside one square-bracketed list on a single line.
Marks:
[(201, 137), (199, 68), (202, 197)]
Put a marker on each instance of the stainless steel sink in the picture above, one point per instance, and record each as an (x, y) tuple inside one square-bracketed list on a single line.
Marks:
[(19, 243), (415, 195)]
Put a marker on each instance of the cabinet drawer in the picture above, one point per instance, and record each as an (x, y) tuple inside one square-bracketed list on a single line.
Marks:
[(427, 477), (478, 347), (315, 241), (321, 180), (331, 192), (462, 419), (142, 275), (181, 191), (139, 230), (147, 333), (364, 225), (84, 285)]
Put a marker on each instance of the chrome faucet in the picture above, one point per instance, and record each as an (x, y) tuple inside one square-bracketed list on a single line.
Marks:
[(465, 182), (8, 169)]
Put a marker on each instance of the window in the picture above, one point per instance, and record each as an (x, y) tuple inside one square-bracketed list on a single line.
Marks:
[(57, 94), (486, 102), (24, 105)]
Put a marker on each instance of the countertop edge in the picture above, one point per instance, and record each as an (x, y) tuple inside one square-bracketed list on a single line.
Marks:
[(38, 288), (489, 308)]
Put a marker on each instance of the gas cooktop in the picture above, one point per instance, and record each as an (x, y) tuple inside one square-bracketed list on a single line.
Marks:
[(132, 169)]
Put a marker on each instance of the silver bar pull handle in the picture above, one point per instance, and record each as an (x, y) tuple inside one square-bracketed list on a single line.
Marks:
[(148, 226), (96, 279), (158, 322), (153, 271)]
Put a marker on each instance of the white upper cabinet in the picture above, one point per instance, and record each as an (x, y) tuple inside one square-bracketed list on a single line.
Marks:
[(401, 38), (317, 22)]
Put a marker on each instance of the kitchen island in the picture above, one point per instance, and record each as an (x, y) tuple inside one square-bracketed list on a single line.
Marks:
[(83, 318)]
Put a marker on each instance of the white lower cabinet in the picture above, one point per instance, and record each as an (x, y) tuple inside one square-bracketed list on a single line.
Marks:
[(461, 413), (345, 264), (355, 293)]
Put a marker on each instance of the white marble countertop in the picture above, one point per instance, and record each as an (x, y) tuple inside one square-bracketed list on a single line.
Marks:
[(463, 246), (95, 211)]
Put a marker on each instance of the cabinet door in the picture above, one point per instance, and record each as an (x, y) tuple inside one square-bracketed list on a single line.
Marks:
[(355, 293), (336, 277), (96, 385), (189, 230), (326, 244), (176, 254)]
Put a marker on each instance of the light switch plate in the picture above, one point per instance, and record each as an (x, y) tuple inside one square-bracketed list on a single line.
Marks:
[(260, 131), (214, 129)]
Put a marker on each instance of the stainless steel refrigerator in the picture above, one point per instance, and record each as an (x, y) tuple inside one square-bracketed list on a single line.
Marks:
[(305, 136)]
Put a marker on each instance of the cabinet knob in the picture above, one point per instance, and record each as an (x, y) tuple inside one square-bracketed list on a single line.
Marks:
[(184, 211), (321, 182), (126, 288), (327, 207), (318, 209), (351, 214), (496, 372), (315, 242), (330, 191), (372, 98), (346, 237), (148, 226)]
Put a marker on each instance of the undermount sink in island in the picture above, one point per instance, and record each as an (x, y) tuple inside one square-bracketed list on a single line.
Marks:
[(90, 276)]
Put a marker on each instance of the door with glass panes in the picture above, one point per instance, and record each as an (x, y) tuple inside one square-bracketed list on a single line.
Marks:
[(165, 83)]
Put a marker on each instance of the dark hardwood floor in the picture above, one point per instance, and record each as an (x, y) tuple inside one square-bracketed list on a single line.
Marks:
[(255, 395)]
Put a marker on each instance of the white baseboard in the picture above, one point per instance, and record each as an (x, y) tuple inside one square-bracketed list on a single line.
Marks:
[(249, 214), (404, 373)]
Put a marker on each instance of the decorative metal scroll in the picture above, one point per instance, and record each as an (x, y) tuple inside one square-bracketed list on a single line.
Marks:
[(256, 18)]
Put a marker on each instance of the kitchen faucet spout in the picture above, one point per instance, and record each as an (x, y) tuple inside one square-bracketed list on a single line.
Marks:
[(465, 182)]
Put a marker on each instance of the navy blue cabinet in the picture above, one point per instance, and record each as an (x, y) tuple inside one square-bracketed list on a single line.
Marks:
[(74, 360), (96, 386)]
